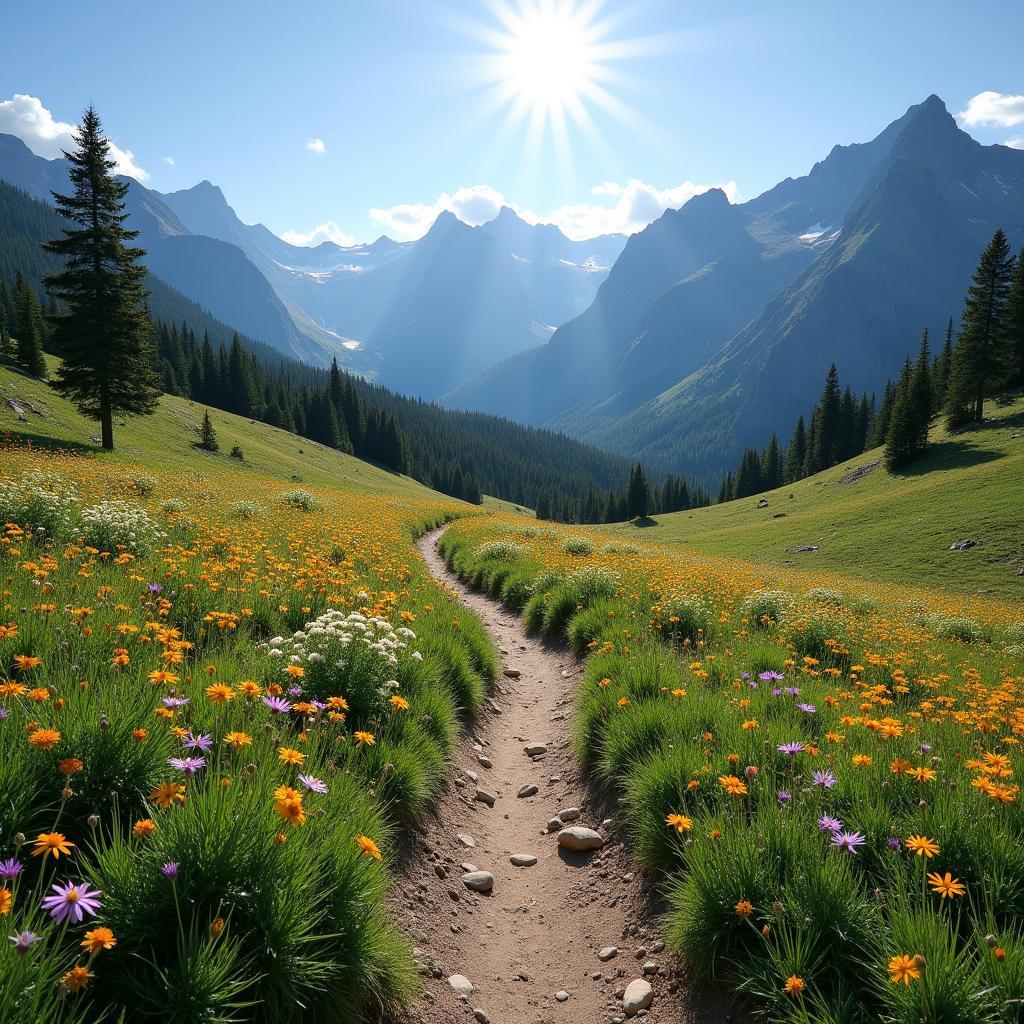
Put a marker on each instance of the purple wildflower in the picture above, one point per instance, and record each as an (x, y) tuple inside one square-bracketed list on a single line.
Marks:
[(791, 749), (188, 765), (793, 691), (24, 940), (277, 704), (807, 708), (893, 843), (769, 676), (295, 691), (170, 870), (784, 796), (175, 702), (3, 713), (776, 692), (925, 747), (829, 824), (825, 779), (848, 842), (204, 741), (71, 902), (10, 868), (155, 588), (313, 784)]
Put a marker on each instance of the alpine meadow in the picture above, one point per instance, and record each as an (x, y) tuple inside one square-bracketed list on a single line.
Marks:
[(548, 550)]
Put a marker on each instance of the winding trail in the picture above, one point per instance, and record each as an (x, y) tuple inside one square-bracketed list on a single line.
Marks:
[(530, 947)]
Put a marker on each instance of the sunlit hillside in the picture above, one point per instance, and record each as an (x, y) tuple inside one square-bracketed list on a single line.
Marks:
[(860, 520)]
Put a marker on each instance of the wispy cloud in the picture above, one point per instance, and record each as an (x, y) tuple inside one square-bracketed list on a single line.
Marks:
[(316, 146), (1016, 142), (326, 232), (26, 117), (169, 160), (630, 208), (993, 110)]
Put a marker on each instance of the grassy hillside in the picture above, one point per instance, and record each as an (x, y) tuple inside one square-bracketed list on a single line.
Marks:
[(870, 523), (167, 439)]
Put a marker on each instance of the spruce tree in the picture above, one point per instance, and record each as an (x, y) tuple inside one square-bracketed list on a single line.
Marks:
[(771, 465), (796, 453), (922, 398), (828, 437), (103, 332), (638, 494), (1013, 326), (28, 348), (940, 372), (207, 435), (979, 367), (901, 438)]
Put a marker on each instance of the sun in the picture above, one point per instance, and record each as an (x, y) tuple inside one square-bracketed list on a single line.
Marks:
[(549, 64), (548, 60)]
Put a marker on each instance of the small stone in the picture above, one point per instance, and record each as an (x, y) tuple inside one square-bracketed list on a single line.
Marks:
[(480, 1016), (478, 881), (569, 814), (465, 841), (484, 797), (494, 706), (468, 869), (650, 967), (441, 871), (554, 824), (512, 673), (528, 790), (638, 996), (608, 953), (523, 860), (576, 837), (460, 984), (561, 995), (535, 749), (484, 762)]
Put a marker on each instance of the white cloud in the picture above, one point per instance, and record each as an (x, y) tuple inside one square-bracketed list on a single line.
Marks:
[(26, 117), (1017, 142), (472, 204), (993, 110), (169, 160), (326, 232), (635, 205), (316, 146)]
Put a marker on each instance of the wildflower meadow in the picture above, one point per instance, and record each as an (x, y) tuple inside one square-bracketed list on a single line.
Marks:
[(820, 774), (221, 699)]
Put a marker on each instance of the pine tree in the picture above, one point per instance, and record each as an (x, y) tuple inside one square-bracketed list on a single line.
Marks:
[(103, 333), (880, 424), (940, 372), (638, 494), (796, 453), (901, 438), (240, 392), (922, 397), (979, 367), (207, 435), (748, 479), (1013, 325), (771, 465), (828, 429), (28, 349)]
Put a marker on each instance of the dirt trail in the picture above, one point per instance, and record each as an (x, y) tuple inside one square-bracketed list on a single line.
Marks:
[(530, 947)]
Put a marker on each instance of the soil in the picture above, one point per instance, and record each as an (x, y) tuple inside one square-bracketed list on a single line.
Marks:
[(530, 947)]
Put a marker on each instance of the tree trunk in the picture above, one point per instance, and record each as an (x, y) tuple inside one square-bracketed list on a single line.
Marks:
[(106, 419)]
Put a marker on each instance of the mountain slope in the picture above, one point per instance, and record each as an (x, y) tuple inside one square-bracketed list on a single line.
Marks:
[(718, 320), (215, 274), (878, 525)]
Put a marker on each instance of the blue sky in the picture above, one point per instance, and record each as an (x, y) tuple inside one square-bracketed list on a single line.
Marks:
[(402, 95)]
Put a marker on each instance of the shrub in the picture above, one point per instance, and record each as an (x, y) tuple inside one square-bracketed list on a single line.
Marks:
[(499, 551), (577, 546), (960, 628), (172, 506), (688, 618), (39, 501), (112, 525), (237, 453), (818, 636), (144, 484), (826, 595), (766, 608), (300, 499), (246, 509)]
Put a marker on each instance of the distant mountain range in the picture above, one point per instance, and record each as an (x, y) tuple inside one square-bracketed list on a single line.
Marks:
[(682, 345), (424, 317), (718, 322)]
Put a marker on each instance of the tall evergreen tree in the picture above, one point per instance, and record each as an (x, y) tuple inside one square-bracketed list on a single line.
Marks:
[(638, 494), (28, 349), (829, 428), (771, 465), (922, 397), (943, 364), (979, 366), (796, 453), (103, 333), (900, 442), (207, 435), (1013, 326)]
